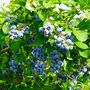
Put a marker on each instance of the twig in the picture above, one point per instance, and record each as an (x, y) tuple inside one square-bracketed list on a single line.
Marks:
[(5, 50)]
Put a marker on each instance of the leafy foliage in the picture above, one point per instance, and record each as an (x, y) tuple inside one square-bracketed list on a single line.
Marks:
[(45, 45)]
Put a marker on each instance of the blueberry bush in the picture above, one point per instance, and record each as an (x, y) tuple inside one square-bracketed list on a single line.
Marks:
[(45, 45)]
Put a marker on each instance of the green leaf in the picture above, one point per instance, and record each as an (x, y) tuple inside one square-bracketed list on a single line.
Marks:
[(84, 24), (84, 3), (81, 45), (1, 33), (42, 15), (15, 46), (1, 81), (2, 41), (28, 6), (6, 28), (64, 64), (51, 41), (80, 35), (39, 39), (49, 87), (48, 4), (88, 61), (84, 53), (32, 5), (7, 40), (69, 56)]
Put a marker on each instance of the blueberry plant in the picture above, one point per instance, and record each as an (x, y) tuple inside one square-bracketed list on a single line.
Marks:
[(45, 45)]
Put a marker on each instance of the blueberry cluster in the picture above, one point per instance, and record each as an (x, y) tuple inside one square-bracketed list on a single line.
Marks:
[(14, 33), (13, 65), (39, 57), (47, 29), (38, 53), (56, 61), (39, 67), (63, 40)]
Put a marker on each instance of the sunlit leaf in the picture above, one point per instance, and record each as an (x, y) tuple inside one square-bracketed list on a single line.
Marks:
[(6, 28), (84, 53), (81, 45), (81, 35)]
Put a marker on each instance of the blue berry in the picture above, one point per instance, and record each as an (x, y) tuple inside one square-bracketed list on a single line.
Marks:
[(14, 22), (47, 29), (59, 39), (13, 27), (13, 68), (58, 30), (68, 41), (41, 29), (37, 17)]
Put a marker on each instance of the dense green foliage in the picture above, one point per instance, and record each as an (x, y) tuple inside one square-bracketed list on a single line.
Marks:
[(45, 45)]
